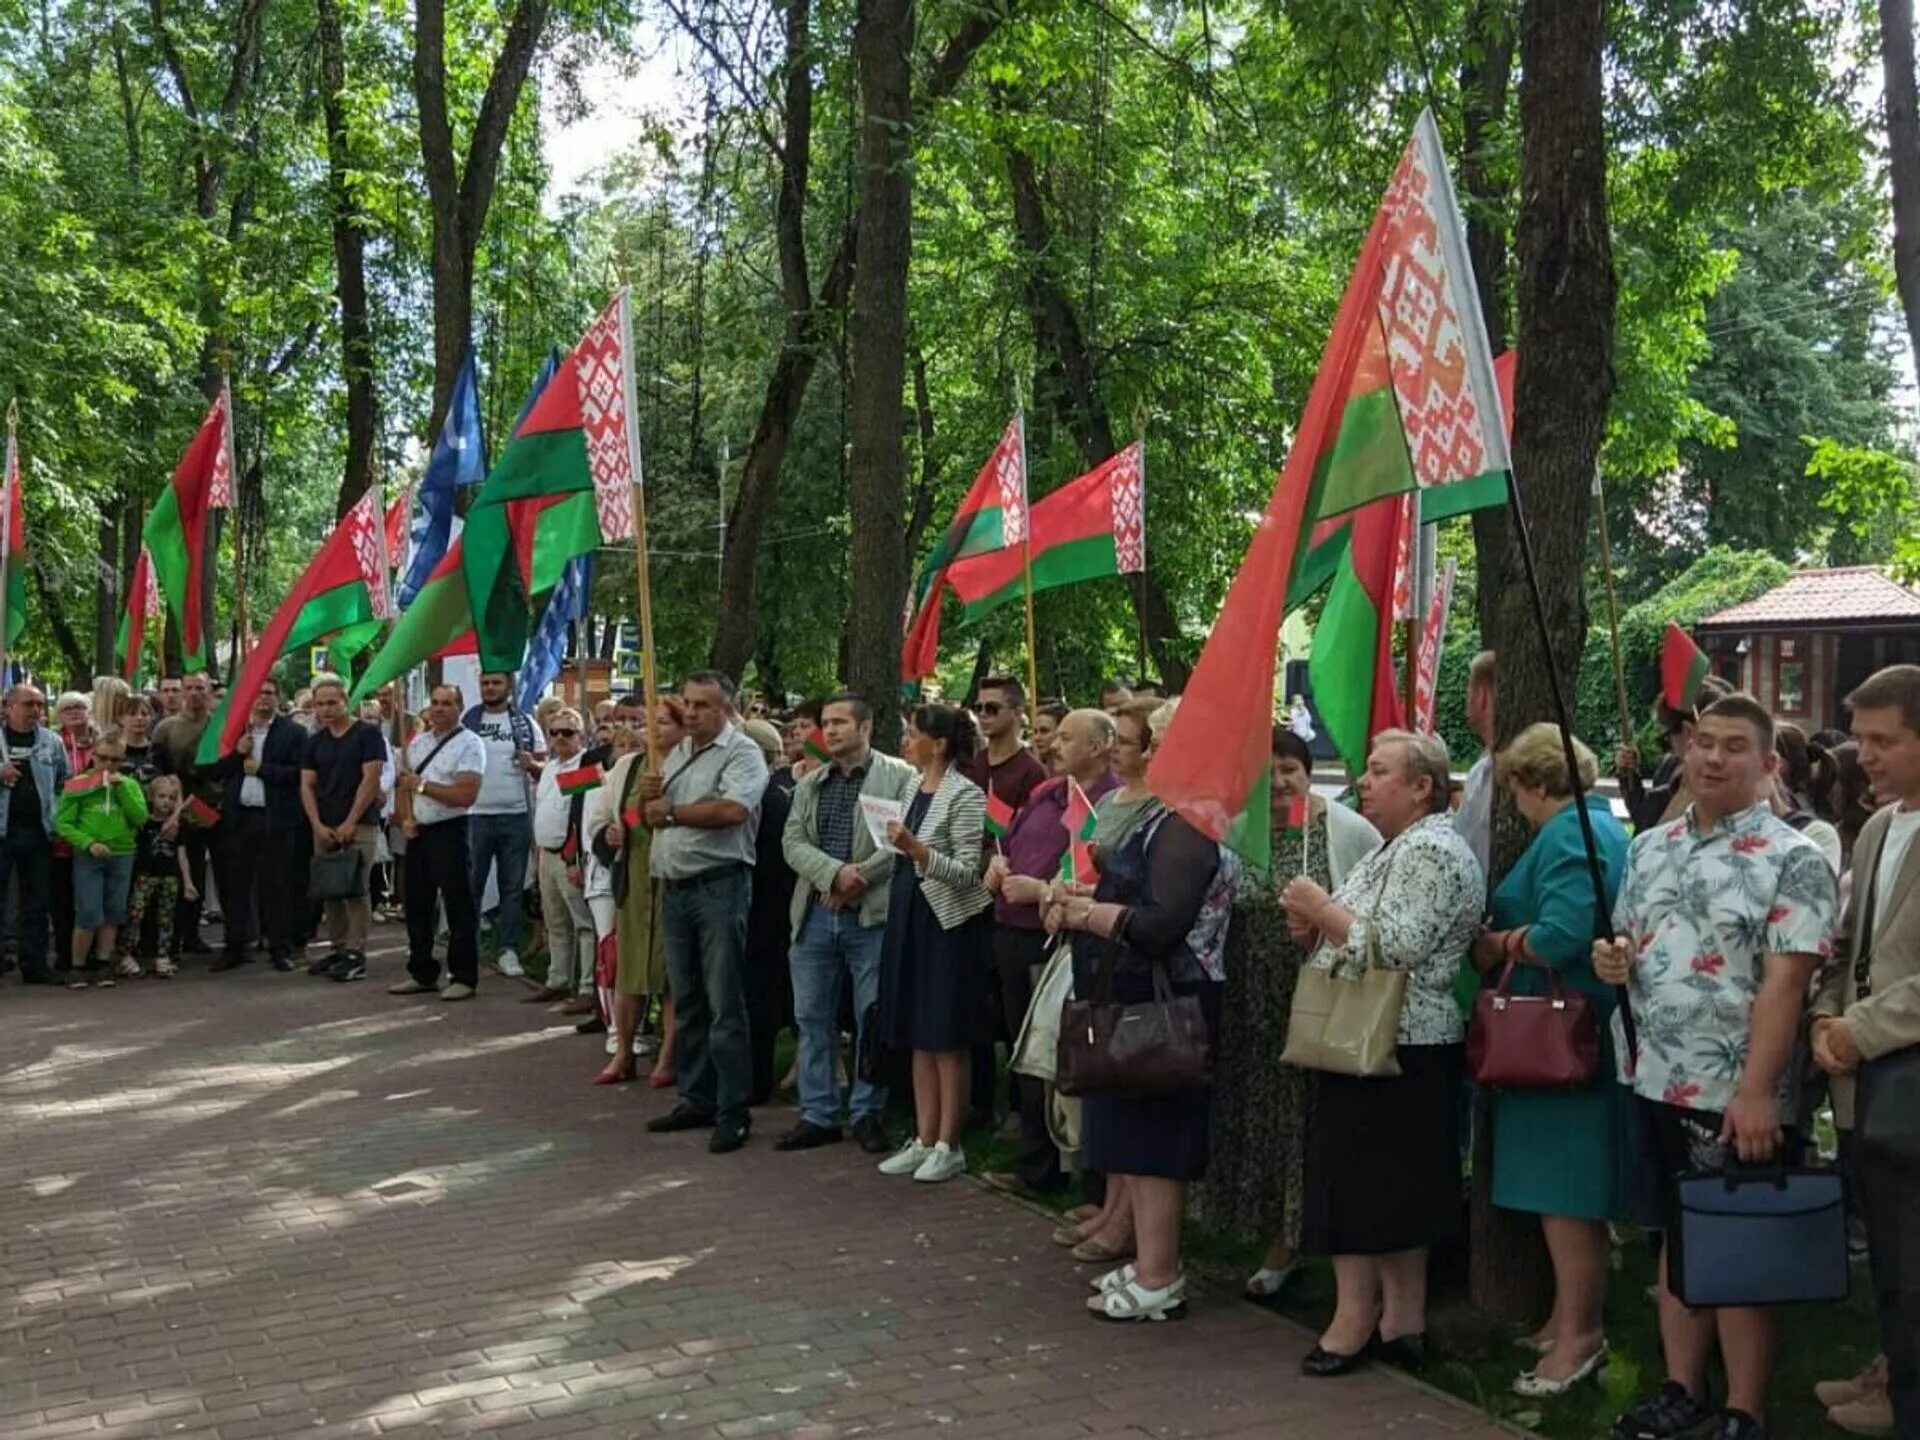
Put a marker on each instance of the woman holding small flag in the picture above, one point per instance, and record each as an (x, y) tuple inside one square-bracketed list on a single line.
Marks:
[(101, 812), (556, 838), (1258, 1181), (1162, 904), (625, 847)]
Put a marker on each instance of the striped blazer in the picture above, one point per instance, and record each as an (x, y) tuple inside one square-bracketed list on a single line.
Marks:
[(954, 831)]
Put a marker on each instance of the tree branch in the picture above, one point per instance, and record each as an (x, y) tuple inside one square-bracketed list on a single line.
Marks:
[(430, 95), (510, 68)]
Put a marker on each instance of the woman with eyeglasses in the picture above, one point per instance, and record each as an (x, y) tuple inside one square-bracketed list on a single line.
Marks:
[(101, 812)]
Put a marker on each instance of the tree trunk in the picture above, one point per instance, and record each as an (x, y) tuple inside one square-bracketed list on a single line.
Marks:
[(458, 196), (1073, 387), (350, 263), (1903, 154), (883, 53), (1565, 293), (106, 596)]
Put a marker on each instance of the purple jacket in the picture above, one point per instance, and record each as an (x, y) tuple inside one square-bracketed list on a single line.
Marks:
[(1037, 841)]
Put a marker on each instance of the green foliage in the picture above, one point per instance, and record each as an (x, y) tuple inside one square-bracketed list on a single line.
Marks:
[(1870, 495)]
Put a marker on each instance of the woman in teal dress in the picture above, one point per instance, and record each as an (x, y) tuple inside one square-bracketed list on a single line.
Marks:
[(1556, 1153)]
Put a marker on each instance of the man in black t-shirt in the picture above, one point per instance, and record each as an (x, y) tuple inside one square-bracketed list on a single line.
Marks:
[(340, 794)]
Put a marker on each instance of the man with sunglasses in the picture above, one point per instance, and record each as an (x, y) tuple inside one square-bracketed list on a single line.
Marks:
[(556, 838)]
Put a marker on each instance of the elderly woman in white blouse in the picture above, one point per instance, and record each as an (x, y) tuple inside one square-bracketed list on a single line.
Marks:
[(1383, 1160)]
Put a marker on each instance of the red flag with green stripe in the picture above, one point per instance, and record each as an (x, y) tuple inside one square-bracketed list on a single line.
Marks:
[(992, 517), (1078, 818), (1683, 666), (562, 487), (1405, 400), (176, 530), (143, 601), (437, 623), (16, 542), (999, 816), (1089, 527), (345, 584)]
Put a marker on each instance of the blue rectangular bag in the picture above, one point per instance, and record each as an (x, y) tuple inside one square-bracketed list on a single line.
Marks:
[(1765, 1236)]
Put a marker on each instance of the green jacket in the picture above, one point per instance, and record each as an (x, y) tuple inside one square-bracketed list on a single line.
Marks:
[(109, 814), (814, 869)]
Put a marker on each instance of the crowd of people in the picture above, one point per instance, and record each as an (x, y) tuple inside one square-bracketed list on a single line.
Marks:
[(706, 878)]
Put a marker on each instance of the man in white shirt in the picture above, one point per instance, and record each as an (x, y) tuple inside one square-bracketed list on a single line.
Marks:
[(558, 858), (1474, 819), (438, 787), (502, 816)]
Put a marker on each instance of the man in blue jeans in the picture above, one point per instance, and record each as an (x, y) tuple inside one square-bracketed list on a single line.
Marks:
[(31, 774), (704, 811), (500, 825), (842, 880)]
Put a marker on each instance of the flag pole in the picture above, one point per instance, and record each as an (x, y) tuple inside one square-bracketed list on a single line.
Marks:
[(642, 580), (1026, 568), (1613, 611), (9, 481), (239, 541)]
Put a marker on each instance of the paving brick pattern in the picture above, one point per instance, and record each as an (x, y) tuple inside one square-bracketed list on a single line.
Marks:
[(265, 1205)]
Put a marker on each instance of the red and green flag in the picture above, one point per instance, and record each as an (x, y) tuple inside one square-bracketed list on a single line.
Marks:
[(83, 782), (999, 816), (1089, 527), (176, 528), (15, 539), (200, 813), (993, 516), (344, 586), (144, 601), (562, 487), (1683, 667), (580, 779), (816, 744), (1405, 401), (1078, 818), (437, 624)]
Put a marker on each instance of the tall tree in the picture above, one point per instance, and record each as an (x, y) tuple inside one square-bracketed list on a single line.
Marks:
[(459, 190), (1564, 286), (1903, 155), (350, 261), (883, 55)]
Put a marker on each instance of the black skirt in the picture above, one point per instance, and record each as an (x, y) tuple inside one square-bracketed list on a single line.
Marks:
[(1165, 1137), (1383, 1158), (933, 981)]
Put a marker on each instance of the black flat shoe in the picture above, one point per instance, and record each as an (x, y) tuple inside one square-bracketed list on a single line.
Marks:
[(728, 1136), (1323, 1364), (1403, 1352), (808, 1136), (681, 1117), (594, 1026)]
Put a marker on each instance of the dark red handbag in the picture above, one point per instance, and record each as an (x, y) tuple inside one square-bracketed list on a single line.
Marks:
[(1532, 1042)]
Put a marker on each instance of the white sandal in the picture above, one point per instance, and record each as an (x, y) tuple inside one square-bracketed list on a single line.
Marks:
[(1266, 1282), (1114, 1279), (1532, 1385), (1132, 1301)]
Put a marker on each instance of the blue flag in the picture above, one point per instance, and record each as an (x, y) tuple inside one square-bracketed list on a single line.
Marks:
[(459, 458), (547, 646)]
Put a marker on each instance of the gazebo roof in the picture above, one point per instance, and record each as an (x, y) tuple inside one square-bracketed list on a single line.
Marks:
[(1842, 595)]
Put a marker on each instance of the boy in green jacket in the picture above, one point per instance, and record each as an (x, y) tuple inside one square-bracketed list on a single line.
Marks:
[(101, 812)]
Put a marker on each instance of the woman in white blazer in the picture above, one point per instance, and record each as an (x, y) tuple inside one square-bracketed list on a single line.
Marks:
[(933, 962)]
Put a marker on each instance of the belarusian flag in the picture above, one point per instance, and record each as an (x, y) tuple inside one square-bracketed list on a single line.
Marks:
[(1078, 818), (176, 530), (344, 585), (1405, 399), (1683, 666), (143, 601), (993, 516), (437, 623), (15, 538), (816, 744), (1089, 527), (999, 816), (562, 487), (580, 779)]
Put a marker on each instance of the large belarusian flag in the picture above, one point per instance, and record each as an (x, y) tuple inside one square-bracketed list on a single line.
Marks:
[(176, 530), (344, 585), (563, 487), (437, 623), (143, 602), (1405, 400), (14, 518), (1089, 527), (993, 516)]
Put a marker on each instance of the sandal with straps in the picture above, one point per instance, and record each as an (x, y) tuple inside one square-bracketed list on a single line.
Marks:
[(1114, 1279), (1132, 1301)]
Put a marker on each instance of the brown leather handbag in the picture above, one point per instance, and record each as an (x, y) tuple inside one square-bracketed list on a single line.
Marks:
[(1532, 1042), (1140, 1051)]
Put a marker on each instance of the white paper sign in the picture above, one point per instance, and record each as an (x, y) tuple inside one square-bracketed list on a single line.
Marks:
[(880, 812)]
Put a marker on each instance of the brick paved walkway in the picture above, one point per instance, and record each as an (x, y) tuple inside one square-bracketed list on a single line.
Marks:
[(268, 1205)]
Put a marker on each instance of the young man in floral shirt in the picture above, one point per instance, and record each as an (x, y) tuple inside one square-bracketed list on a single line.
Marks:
[(1723, 916)]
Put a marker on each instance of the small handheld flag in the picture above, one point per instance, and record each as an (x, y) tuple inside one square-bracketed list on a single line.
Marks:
[(999, 816), (1683, 667), (816, 744), (630, 817), (89, 780), (580, 780), (1297, 813), (200, 813), (1079, 819)]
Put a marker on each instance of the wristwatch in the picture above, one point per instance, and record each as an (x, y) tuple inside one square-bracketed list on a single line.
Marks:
[(672, 818)]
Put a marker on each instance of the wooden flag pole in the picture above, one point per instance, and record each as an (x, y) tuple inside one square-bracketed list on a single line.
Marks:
[(1613, 613), (642, 579), (239, 539)]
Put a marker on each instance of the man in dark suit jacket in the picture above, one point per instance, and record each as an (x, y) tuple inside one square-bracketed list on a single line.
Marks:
[(258, 855)]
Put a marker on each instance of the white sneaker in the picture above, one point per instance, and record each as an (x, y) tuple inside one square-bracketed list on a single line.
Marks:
[(943, 1162), (907, 1160), (457, 991), (129, 968), (508, 964), (164, 968)]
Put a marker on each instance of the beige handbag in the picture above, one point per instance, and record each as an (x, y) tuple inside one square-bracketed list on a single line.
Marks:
[(1348, 1024)]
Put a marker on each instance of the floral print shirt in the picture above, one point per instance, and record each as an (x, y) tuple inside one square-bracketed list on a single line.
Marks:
[(1420, 896), (1703, 909)]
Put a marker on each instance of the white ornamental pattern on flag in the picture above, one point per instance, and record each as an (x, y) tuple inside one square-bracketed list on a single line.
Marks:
[(600, 370), (1010, 470), (363, 531), (1127, 493)]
